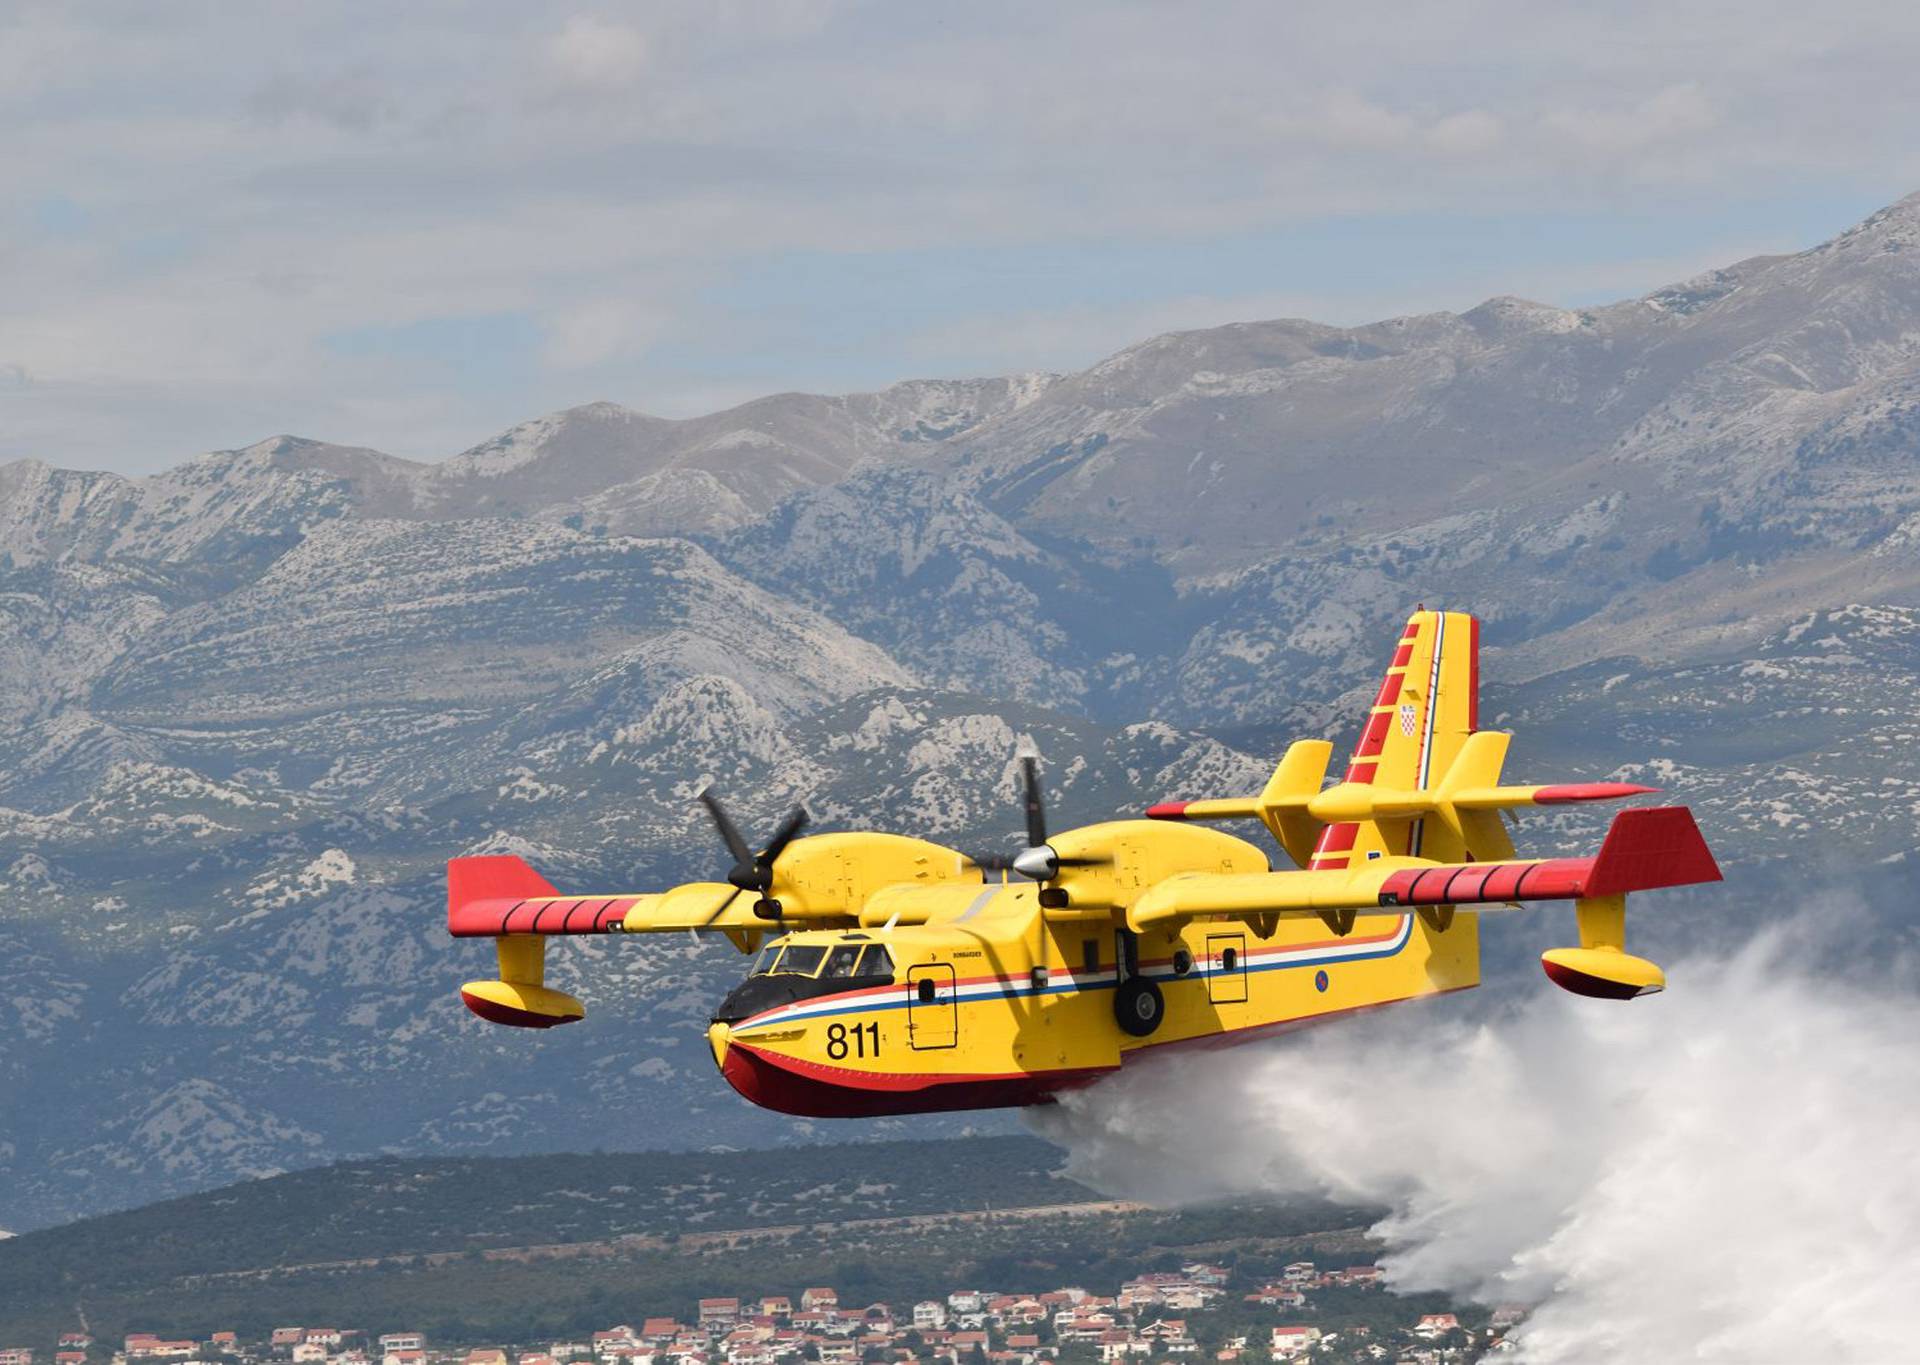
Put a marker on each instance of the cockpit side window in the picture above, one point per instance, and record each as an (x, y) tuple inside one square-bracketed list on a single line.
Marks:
[(801, 959), (763, 964), (841, 961), (877, 962)]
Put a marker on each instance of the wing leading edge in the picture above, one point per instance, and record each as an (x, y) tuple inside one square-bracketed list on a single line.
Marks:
[(1644, 849)]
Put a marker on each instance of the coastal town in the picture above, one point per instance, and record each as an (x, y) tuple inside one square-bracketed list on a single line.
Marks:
[(1197, 1313)]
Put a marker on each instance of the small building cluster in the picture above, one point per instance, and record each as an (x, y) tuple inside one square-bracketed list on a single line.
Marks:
[(1155, 1319)]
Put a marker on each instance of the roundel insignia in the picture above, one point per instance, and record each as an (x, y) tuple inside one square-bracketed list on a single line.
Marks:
[(1320, 980)]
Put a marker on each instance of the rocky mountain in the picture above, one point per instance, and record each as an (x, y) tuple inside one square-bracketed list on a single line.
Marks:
[(249, 706)]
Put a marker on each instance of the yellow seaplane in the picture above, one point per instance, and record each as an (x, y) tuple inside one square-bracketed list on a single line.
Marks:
[(895, 975)]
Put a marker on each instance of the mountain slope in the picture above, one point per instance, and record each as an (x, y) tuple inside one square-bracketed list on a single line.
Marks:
[(248, 707)]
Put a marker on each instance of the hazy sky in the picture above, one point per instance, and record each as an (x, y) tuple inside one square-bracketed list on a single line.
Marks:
[(409, 226)]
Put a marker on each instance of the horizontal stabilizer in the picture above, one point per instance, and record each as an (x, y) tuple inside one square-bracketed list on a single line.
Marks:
[(1505, 798)]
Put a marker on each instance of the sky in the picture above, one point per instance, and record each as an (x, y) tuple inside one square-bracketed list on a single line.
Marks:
[(411, 226)]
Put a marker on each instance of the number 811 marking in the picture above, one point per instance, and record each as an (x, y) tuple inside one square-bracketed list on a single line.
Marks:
[(861, 1040)]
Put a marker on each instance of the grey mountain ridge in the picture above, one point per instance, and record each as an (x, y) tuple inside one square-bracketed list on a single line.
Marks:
[(250, 705)]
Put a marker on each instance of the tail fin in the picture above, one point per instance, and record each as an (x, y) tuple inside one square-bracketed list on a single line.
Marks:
[(1427, 705), (1424, 781), (1476, 767), (1282, 806)]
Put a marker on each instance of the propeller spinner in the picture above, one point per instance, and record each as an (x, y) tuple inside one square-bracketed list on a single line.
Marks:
[(1038, 861)]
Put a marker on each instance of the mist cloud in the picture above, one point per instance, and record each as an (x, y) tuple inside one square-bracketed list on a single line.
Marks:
[(1726, 1172)]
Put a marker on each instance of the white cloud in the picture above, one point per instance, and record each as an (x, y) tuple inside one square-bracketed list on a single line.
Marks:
[(597, 53), (590, 333), (238, 187), (1676, 112), (1468, 132), (1726, 1172)]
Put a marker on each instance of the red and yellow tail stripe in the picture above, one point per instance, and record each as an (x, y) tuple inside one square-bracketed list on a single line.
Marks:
[(1428, 703)]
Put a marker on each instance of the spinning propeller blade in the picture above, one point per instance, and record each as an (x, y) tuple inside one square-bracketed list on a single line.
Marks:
[(1036, 812), (1037, 861), (751, 871), (729, 832)]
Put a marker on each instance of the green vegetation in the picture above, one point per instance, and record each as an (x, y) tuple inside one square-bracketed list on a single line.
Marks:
[(435, 1245)]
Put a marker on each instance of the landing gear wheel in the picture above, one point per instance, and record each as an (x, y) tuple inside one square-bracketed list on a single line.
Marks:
[(1138, 1006)]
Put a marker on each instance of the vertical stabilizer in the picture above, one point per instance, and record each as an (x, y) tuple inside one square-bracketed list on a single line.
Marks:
[(1427, 705)]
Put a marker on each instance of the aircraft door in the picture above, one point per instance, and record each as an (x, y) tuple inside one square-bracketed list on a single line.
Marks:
[(932, 1014), (1226, 968)]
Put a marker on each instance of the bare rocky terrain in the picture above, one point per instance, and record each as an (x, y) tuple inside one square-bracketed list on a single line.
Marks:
[(249, 706)]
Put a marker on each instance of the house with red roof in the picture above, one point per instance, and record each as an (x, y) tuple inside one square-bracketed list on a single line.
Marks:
[(1436, 1325)]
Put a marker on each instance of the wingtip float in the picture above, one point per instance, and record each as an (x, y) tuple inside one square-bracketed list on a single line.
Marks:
[(896, 975)]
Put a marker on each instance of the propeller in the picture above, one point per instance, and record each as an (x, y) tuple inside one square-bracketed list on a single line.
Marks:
[(752, 871), (1038, 861)]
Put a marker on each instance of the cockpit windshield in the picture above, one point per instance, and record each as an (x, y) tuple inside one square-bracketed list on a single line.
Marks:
[(807, 959), (786, 972), (801, 959)]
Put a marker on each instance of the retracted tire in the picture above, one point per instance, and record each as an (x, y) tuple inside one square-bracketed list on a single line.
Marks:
[(1138, 1006)]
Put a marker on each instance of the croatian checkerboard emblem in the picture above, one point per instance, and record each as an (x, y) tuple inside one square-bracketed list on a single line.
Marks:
[(1409, 716)]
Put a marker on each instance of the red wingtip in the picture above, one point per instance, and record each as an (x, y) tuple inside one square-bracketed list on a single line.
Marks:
[(1589, 791), (1168, 810), (1651, 847), (493, 877)]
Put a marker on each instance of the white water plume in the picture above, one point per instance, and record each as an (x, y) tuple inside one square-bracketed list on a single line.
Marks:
[(1729, 1171)]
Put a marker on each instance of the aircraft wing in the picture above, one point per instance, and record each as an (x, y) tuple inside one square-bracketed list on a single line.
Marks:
[(1646, 848), (503, 899), (489, 897)]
